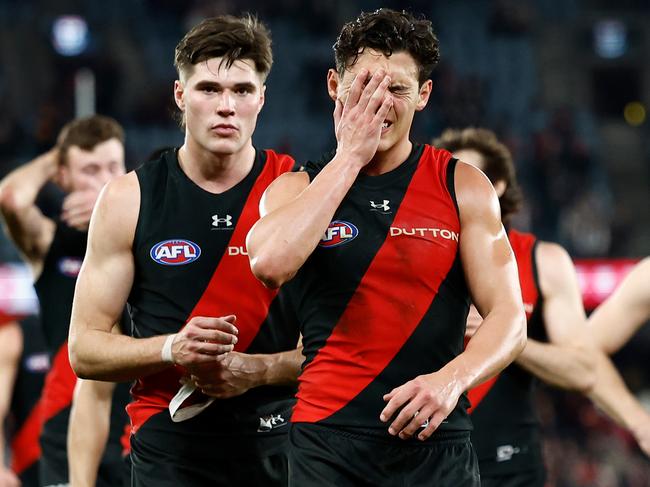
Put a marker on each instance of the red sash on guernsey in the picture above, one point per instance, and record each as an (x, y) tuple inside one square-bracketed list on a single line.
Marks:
[(522, 245), (223, 296), (348, 362)]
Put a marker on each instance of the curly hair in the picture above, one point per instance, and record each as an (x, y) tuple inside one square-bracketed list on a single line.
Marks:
[(498, 162), (229, 37), (388, 31)]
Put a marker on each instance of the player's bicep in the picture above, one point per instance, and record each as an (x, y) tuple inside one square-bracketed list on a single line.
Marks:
[(488, 260), (106, 275), (564, 314), (283, 190)]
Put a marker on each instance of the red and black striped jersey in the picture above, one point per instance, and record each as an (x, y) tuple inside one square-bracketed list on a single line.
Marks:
[(190, 260), (383, 297), (506, 436)]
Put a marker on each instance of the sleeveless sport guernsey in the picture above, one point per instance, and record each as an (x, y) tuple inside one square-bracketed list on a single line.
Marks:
[(383, 297), (25, 412), (55, 291), (190, 260), (506, 433)]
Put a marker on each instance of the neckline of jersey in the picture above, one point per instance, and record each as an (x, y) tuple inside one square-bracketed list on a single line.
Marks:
[(386, 179), (174, 164)]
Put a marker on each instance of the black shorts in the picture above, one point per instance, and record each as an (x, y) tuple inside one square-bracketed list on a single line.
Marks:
[(324, 456), (53, 464), (529, 478), (152, 466)]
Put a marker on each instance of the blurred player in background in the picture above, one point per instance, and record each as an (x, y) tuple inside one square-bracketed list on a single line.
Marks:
[(89, 153), (24, 361), (559, 350)]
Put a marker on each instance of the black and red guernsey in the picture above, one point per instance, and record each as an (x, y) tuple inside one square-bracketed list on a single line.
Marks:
[(506, 433), (383, 297), (25, 408), (55, 290), (190, 260)]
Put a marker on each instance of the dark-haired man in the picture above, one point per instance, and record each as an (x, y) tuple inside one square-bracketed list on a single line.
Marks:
[(385, 243), (89, 153), (559, 351), (170, 240)]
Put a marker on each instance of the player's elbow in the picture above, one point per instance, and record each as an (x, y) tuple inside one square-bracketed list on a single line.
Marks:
[(586, 362), (269, 271), (79, 364), (519, 332), (8, 201)]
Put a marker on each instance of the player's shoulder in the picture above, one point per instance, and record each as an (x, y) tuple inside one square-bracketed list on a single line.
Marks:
[(554, 265), (474, 191)]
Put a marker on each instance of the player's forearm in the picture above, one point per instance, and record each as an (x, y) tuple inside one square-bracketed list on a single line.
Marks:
[(282, 368), (612, 396), (497, 342), (561, 366), (19, 189), (100, 355), (281, 242), (88, 432)]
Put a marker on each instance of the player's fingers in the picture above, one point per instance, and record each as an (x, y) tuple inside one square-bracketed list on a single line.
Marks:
[(377, 97), (374, 85), (408, 412), (434, 422), (356, 89), (420, 419), (384, 108)]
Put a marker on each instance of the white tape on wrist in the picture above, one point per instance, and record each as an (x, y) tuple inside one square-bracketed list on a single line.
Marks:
[(166, 352)]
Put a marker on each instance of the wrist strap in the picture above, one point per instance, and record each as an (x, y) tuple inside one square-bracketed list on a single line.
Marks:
[(166, 352)]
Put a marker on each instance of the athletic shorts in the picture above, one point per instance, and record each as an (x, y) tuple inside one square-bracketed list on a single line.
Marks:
[(529, 478), (53, 464), (152, 466), (324, 456)]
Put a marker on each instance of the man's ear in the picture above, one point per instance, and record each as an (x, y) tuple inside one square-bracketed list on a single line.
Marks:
[(333, 84), (423, 95), (500, 187), (179, 92)]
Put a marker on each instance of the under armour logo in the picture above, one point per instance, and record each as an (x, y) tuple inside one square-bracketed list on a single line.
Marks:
[(383, 207), (216, 221)]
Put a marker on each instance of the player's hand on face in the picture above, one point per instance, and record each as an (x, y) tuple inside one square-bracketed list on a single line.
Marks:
[(358, 121), (420, 405), (232, 375), (203, 340), (78, 207)]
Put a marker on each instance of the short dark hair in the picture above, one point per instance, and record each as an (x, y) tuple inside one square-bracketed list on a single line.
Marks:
[(499, 165), (229, 37), (388, 31), (86, 133)]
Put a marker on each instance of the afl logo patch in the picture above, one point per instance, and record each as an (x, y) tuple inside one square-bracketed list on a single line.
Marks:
[(338, 233), (70, 266), (175, 252)]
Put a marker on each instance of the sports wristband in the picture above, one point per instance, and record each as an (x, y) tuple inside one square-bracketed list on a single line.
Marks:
[(166, 352)]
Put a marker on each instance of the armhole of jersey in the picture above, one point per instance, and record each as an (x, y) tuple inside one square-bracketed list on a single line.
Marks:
[(136, 233), (451, 184), (533, 258)]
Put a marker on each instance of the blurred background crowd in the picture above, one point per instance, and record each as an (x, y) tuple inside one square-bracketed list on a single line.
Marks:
[(565, 83)]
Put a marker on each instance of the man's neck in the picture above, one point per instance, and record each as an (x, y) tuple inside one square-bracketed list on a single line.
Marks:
[(386, 161), (213, 172)]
